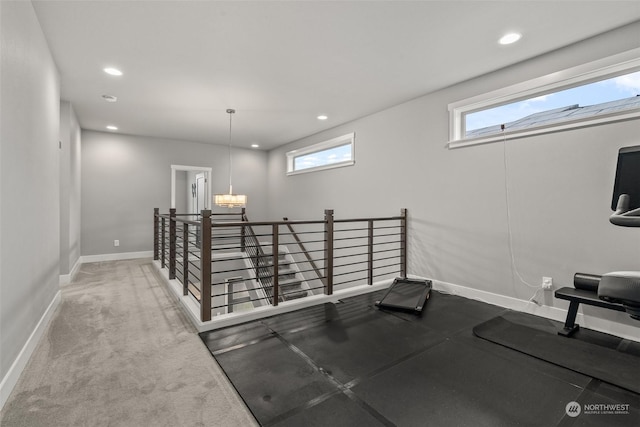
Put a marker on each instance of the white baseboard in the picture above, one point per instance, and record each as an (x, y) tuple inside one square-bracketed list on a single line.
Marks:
[(554, 313), (11, 378), (115, 257), (68, 278)]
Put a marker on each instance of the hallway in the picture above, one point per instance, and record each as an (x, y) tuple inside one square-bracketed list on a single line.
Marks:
[(119, 352)]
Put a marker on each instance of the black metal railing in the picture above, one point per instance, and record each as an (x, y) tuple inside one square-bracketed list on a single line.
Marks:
[(231, 264)]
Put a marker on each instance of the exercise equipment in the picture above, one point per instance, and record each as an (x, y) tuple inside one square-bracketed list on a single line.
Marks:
[(584, 291), (407, 295), (618, 290), (624, 286)]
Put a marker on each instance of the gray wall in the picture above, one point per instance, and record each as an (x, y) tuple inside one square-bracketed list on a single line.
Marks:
[(182, 197), (560, 187), (29, 178), (124, 177), (69, 188)]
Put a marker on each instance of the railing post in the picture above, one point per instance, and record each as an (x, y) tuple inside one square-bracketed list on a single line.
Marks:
[(403, 243), (276, 261), (185, 259), (328, 251), (205, 266), (156, 225), (370, 253), (243, 233), (164, 243), (172, 243)]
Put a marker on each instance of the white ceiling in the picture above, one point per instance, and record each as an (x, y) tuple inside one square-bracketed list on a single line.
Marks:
[(281, 63)]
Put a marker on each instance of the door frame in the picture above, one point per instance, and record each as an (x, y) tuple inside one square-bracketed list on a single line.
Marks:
[(207, 172)]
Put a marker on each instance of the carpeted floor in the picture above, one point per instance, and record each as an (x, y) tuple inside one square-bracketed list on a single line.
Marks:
[(119, 352)]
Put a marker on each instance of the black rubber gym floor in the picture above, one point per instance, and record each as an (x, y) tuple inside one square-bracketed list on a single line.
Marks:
[(351, 364)]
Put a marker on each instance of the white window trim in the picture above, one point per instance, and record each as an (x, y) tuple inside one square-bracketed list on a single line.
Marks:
[(349, 138), (626, 62)]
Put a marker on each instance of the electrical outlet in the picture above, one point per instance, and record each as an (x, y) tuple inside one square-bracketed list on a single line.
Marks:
[(116, 243), (547, 282)]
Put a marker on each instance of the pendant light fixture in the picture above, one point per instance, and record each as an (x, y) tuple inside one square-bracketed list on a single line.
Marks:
[(230, 200)]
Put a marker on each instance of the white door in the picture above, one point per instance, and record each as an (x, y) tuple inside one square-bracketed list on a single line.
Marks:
[(201, 191)]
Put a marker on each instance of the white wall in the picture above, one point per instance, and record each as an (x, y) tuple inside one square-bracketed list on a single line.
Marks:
[(29, 182), (69, 188), (560, 187), (124, 177)]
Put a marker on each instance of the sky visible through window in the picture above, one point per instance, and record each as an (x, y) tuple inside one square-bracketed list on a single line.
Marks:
[(613, 89), (330, 156)]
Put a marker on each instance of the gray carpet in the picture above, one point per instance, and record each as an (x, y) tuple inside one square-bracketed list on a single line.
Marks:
[(119, 352)]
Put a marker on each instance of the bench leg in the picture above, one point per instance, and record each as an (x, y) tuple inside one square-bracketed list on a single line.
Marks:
[(570, 326)]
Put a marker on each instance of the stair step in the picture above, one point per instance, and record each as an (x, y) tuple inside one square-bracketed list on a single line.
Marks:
[(287, 273), (267, 253), (290, 282), (294, 295)]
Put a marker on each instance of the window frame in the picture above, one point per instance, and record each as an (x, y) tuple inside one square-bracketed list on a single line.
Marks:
[(347, 139), (616, 65)]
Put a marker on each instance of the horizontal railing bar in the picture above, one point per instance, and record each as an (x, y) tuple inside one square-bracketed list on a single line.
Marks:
[(385, 274), (232, 270), (302, 232), (359, 279), (350, 247), (263, 223), (344, 230), (302, 252), (390, 218), (313, 241), (387, 226), (386, 250), (349, 263), (284, 233), (362, 262), (377, 267), (238, 292), (362, 246), (337, 239), (352, 255), (390, 234), (350, 272), (298, 222), (393, 242), (384, 258)]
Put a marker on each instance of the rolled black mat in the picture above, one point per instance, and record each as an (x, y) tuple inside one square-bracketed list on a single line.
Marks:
[(587, 282), (603, 363)]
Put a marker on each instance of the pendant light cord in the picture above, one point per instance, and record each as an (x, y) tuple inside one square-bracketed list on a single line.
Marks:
[(231, 112)]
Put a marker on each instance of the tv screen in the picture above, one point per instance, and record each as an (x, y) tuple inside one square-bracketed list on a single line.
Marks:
[(627, 177)]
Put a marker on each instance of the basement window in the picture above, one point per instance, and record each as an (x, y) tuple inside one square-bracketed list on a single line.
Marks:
[(601, 92), (334, 153)]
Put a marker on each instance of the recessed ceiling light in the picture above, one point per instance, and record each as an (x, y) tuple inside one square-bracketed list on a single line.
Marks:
[(255, 146), (112, 127), (322, 117), (110, 98), (113, 71), (510, 38)]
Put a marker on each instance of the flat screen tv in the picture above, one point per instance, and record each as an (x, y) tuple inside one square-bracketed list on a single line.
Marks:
[(627, 177)]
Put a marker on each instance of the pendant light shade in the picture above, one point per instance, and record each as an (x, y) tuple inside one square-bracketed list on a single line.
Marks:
[(230, 200)]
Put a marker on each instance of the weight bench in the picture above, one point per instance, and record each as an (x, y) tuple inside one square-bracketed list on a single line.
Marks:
[(585, 291), (619, 291)]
